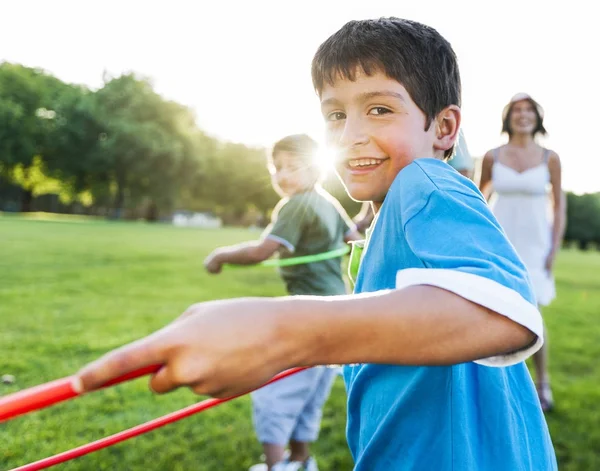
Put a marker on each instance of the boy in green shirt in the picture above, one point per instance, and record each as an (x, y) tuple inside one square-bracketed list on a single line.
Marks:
[(306, 221)]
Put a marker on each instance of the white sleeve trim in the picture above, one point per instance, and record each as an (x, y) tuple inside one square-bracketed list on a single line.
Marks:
[(487, 293), (283, 242)]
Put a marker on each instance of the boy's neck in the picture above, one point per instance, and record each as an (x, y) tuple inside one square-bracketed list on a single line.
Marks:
[(375, 205)]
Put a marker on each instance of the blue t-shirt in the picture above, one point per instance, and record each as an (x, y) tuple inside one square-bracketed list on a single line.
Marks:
[(435, 228)]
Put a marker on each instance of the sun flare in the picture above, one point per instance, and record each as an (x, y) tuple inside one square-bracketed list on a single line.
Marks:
[(324, 159)]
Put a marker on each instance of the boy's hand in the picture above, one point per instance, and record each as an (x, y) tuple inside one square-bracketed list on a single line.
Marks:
[(219, 348), (212, 263)]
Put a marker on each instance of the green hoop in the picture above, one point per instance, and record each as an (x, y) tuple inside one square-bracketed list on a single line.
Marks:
[(286, 262)]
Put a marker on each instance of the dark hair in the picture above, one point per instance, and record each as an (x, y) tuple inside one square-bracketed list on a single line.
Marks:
[(411, 53), (539, 126)]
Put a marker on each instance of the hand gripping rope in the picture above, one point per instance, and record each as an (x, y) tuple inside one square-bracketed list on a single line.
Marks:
[(60, 390), (51, 393)]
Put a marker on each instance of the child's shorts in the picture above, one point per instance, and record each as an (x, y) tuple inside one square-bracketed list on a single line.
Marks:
[(291, 409)]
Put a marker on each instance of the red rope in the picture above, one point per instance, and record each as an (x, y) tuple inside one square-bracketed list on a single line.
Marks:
[(51, 393), (137, 430)]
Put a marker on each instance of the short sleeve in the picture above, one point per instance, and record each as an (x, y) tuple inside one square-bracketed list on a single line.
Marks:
[(289, 218), (464, 250)]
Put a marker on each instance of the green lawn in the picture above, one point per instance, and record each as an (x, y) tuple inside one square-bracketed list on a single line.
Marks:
[(71, 290)]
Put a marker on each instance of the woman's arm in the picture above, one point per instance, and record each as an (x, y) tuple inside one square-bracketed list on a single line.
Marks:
[(559, 208), (485, 180)]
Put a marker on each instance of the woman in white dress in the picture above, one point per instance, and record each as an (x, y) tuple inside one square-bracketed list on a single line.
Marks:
[(529, 205)]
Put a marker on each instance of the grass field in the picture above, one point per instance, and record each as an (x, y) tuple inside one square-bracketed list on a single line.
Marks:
[(73, 289)]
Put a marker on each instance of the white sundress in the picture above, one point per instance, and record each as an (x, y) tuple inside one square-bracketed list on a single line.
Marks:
[(521, 205)]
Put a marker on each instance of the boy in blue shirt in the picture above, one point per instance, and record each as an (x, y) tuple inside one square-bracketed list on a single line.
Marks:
[(443, 313)]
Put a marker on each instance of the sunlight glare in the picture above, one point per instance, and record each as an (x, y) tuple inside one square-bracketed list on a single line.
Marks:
[(324, 160)]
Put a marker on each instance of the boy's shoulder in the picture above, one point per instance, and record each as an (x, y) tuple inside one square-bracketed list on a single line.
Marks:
[(415, 184), (433, 174), (313, 198), (328, 198), (280, 204), (296, 205)]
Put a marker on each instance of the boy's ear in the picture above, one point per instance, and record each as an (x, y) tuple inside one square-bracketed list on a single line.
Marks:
[(446, 128)]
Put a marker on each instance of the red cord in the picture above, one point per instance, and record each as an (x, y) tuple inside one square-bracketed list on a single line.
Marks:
[(48, 394), (137, 430)]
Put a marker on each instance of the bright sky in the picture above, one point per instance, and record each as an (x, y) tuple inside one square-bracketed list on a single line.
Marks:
[(244, 66)]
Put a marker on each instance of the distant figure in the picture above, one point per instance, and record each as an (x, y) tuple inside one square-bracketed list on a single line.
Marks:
[(462, 160), (521, 173)]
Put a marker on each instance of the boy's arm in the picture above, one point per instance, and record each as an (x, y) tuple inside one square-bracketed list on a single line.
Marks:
[(218, 348), (364, 217), (470, 301), (353, 235), (284, 231), (352, 230), (246, 253), (416, 325)]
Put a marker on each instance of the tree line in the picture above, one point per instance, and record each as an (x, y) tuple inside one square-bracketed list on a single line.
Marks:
[(119, 151), (123, 151)]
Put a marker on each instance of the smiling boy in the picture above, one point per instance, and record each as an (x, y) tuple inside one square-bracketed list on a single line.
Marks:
[(443, 313)]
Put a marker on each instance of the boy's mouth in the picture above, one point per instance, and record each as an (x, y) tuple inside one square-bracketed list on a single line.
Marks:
[(363, 164)]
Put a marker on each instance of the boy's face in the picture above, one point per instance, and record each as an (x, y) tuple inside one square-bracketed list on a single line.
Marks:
[(290, 174), (375, 130)]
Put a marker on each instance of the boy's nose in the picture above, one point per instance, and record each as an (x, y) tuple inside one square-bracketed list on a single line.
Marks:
[(353, 134)]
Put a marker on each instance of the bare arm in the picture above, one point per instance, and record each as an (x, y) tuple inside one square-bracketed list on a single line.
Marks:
[(465, 172), (352, 236), (218, 348), (559, 207), (564, 215), (364, 217), (418, 325), (485, 181), (246, 253)]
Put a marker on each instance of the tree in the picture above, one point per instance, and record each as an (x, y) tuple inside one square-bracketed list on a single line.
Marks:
[(73, 153), (148, 148), (583, 219), (26, 111)]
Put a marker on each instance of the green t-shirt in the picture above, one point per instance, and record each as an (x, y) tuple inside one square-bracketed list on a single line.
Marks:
[(358, 247), (310, 223)]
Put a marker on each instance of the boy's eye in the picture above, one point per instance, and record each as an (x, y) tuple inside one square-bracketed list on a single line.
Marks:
[(335, 116), (379, 110)]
